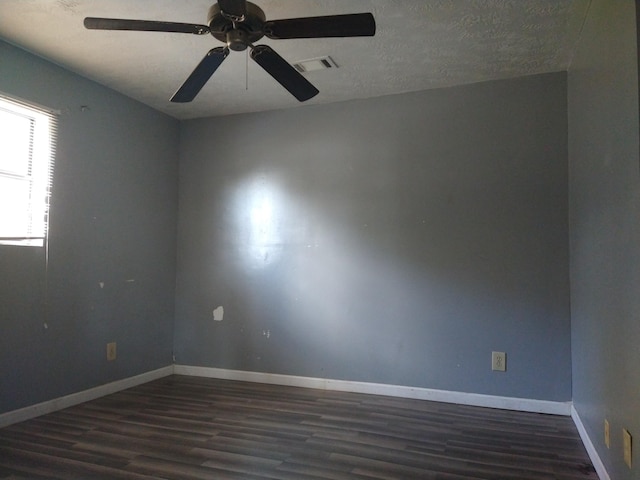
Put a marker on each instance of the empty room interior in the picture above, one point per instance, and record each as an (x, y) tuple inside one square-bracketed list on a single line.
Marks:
[(453, 222)]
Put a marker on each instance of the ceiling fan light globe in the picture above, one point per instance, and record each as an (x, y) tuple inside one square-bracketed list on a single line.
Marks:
[(237, 40)]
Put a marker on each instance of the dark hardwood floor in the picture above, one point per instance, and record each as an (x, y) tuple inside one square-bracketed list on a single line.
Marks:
[(198, 428)]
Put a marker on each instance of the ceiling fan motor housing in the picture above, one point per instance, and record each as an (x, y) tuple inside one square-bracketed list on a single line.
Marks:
[(237, 35)]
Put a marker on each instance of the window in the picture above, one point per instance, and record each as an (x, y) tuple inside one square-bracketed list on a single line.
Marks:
[(27, 143)]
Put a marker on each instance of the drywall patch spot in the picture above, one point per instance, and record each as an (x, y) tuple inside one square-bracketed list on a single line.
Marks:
[(218, 314), (101, 284)]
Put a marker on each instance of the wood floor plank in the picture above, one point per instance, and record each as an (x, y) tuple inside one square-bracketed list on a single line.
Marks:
[(197, 428)]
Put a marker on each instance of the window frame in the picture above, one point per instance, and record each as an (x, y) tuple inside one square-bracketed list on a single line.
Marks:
[(29, 226)]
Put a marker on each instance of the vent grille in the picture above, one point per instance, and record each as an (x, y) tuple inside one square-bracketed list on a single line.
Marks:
[(312, 64)]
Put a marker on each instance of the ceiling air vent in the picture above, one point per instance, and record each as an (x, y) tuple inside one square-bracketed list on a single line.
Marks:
[(312, 64)]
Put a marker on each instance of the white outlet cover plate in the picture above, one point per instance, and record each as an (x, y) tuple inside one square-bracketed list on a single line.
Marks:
[(626, 441), (499, 361)]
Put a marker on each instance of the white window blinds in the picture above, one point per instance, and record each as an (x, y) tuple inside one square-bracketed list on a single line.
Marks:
[(27, 148)]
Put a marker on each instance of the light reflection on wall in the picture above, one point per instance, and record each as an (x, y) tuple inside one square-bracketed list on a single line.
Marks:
[(326, 270), (258, 213)]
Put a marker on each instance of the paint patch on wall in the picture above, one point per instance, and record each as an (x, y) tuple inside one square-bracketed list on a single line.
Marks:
[(218, 314)]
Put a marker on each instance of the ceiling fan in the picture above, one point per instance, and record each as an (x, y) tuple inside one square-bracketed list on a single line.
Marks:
[(239, 24)]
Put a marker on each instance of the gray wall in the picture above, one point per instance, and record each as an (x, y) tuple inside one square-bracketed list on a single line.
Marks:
[(397, 240), (113, 220), (605, 229)]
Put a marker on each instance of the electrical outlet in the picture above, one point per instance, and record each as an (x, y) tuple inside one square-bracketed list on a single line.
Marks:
[(607, 434), (499, 361), (111, 351), (626, 445)]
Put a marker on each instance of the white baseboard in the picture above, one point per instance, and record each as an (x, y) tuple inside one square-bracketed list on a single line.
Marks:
[(588, 445), (418, 393), (475, 399), (56, 404)]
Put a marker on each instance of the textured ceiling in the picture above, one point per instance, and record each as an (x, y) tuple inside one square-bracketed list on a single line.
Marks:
[(419, 44)]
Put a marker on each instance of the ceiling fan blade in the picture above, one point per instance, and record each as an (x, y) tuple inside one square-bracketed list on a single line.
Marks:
[(350, 25), (283, 73), (202, 73), (94, 23), (233, 9)]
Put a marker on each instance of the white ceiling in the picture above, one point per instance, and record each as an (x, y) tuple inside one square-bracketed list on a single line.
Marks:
[(419, 44)]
